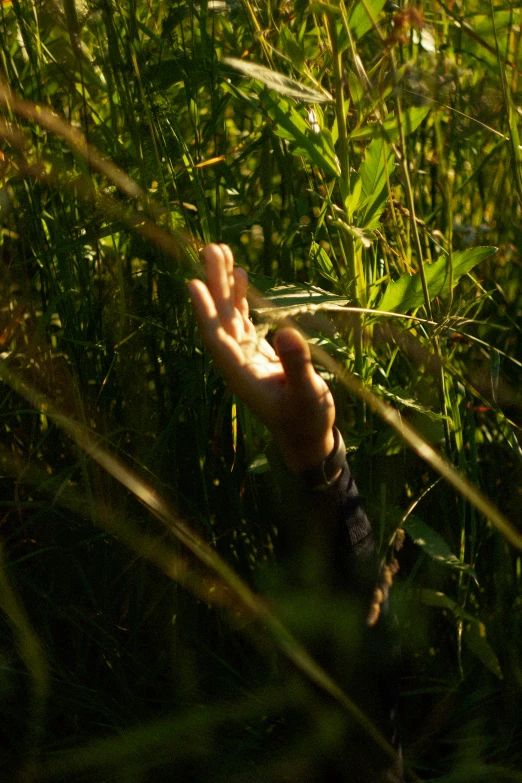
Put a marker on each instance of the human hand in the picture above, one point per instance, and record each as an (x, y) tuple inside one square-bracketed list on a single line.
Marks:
[(280, 386)]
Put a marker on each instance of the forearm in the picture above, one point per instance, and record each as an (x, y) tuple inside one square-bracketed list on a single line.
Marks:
[(329, 524), (327, 546)]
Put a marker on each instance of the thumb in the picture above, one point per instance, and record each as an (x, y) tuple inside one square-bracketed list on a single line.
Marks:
[(294, 353)]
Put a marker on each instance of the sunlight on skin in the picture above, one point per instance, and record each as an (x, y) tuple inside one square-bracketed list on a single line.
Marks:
[(280, 386)]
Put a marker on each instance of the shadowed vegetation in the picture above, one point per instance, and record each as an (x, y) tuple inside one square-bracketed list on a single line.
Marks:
[(364, 163)]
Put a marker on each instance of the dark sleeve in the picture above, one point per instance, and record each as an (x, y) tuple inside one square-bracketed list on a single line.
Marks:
[(326, 544), (329, 527)]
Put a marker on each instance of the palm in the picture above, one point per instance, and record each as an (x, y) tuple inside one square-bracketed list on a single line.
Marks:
[(286, 393)]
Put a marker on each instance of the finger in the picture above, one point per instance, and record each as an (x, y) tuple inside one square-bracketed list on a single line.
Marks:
[(229, 266), (238, 325), (241, 302), (240, 291), (240, 371), (202, 301), (218, 282), (294, 354), (223, 348)]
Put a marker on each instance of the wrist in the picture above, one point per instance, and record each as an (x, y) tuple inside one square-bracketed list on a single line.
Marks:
[(327, 473), (301, 455)]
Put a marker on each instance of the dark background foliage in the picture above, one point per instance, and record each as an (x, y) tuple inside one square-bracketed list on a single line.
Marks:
[(110, 668)]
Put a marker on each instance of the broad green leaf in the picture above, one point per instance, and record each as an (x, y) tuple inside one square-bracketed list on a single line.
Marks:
[(373, 168), (291, 47), (315, 147), (406, 292), (411, 119), (476, 640), (279, 82), (439, 600), (320, 259), (263, 283), (474, 630), (363, 16), (397, 395), (353, 199), (434, 545), (286, 300), (360, 20), (359, 234), (378, 161), (327, 142), (319, 160)]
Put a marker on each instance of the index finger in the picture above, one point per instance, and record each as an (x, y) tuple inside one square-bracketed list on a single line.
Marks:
[(223, 348)]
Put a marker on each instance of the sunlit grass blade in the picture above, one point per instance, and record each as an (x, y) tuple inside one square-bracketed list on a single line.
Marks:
[(279, 82)]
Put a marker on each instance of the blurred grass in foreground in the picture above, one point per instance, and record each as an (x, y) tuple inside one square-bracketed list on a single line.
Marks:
[(110, 670)]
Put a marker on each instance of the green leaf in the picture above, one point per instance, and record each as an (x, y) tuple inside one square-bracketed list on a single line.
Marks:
[(287, 300), (279, 82), (511, 438), (434, 545), (373, 168), (477, 36), (406, 293), (320, 259), (361, 19), (363, 15), (356, 93), (315, 147), (259, 465), (291, 47), (474, 630), (352, 200), (438, 599), (359, 234), (378, 161), (476, 640), (411, 119), (397, 394), (263, 283)]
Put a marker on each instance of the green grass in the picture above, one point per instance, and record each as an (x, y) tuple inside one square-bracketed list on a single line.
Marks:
[(120, 631)]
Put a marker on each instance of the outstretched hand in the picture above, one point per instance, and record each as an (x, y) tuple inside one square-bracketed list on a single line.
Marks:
[(280, 386)]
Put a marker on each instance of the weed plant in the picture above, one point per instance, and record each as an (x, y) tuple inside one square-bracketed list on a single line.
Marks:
[(363, 161)]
